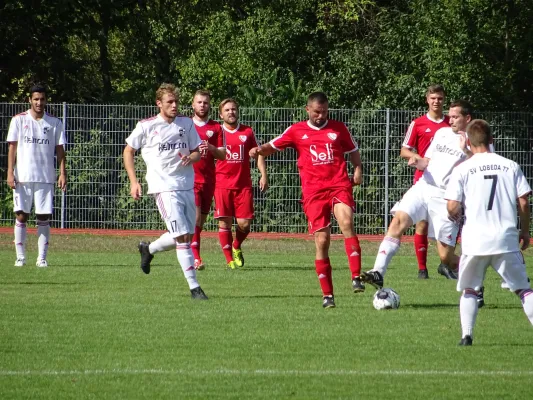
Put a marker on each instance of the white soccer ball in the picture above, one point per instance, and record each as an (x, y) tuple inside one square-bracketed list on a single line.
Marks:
[(386, 299)]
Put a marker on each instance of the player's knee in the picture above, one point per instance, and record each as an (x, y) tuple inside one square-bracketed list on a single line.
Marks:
[(398, 225), (43, 217), (322, 241), (22, 217)]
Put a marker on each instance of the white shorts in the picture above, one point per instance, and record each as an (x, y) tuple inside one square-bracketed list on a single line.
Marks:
[(25, 194), (510, 266), (423, 202), (178, 210)]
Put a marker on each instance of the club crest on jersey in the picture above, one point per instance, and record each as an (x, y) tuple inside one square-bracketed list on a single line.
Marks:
[(242, 138), (332, 135), (181, 131), (210, 134), (45, 130)]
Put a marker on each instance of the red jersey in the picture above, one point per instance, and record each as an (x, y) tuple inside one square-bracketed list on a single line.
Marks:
[(320, 154), (204, 170), (420, 134), (234, 171)]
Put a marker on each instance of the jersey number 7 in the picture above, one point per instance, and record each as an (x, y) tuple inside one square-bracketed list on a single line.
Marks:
[(492, 190)]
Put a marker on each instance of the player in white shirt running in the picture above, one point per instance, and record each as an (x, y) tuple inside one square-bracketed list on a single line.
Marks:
[(34, 138), (201, 106), (169, 146), (489, 188), (425, 199)]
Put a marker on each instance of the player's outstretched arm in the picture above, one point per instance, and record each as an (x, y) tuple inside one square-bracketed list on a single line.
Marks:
[(264, 150), (11, 157), (129, 165), (193, 157), (355, 159), (62, 161), (218, 152), (407, 153), (523, 212)]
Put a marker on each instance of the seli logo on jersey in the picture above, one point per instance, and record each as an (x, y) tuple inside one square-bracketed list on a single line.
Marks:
[(210, 134), (332, 135), (34, 140), (172, 146), (235, 153), (321, 154), (242, 138)]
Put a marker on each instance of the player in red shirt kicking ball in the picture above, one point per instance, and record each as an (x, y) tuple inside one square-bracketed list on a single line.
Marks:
[(321, 144), (233, 192)]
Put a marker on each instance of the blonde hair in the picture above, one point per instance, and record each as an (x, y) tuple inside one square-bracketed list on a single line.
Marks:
[(226, 101), (166, 88), (479, 133)]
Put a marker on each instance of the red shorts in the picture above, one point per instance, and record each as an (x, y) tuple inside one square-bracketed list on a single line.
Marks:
[(318, 206), (238, 203), (203, 196)]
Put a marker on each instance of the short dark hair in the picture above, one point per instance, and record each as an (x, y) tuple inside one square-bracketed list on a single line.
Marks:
[(438, 88), (38, 89), (479, 133), (466, 107), (317, 97)]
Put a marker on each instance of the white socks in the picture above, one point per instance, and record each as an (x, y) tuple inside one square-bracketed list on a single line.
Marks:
[(43, 235), (526, 296), (387, 249), (164, 243), (20, 239), (186, 260), (468, 310)]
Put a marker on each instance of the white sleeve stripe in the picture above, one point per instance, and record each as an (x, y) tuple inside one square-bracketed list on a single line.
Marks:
[(408, 134), (272, 144)]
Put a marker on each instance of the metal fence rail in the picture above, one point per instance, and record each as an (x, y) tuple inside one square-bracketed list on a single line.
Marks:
[(98, 189)]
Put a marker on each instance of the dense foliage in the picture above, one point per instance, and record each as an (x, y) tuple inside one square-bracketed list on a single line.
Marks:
[(363, 53)]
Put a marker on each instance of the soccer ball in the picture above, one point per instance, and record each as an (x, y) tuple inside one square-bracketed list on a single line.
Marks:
[(386, 299)]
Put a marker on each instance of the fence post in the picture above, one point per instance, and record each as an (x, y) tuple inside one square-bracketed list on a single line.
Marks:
[(63, 194), (386, 199)]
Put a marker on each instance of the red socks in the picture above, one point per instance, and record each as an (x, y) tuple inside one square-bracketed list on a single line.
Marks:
[(225, 237), (195, 244), (323, 271), (239, 237), (353, 251), (421, 250)]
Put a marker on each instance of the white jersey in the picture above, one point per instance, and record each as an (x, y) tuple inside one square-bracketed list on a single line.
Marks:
[(488, 185), (36, 146), (162, 145), (445, 154)]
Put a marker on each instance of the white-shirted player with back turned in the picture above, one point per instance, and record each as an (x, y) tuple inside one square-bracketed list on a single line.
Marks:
[(488, 189)]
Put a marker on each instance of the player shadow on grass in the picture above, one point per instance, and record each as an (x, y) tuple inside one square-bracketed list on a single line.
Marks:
[(456, 305)]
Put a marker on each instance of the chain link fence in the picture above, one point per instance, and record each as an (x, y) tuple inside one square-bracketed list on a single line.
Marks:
[(98, 197)]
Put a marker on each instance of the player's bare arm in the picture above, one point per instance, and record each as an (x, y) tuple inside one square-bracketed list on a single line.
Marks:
[(418, 162), (11, 158), (218, 152), (129, 165), (523, 212), (355, 159), (264, 150), (454, 210), (406, 153), (261, 166), (463, 144), (191, 158), (62, 161)]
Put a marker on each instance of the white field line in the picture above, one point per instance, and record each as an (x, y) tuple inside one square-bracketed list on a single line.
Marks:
[(264, 372)]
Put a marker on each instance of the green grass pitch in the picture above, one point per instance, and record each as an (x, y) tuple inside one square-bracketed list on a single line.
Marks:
[(93, 326)]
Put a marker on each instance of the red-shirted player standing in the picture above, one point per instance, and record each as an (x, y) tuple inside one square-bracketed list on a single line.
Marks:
[(204, 170), (418, 138), (326, 187), (233, 192)]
